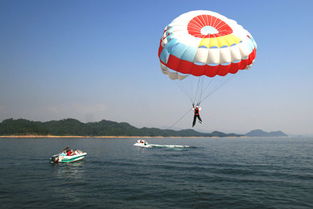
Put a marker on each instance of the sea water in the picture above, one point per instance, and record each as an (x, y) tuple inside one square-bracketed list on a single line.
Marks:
[(211, 173)]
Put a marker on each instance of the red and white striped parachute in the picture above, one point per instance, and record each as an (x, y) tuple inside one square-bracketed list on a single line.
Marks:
[(205, 43)]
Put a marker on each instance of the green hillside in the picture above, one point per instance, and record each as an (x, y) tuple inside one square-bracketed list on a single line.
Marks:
[(72, 127)]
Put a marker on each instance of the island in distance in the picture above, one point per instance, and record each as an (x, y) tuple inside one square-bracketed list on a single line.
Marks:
[(73, 127), (261, 133)]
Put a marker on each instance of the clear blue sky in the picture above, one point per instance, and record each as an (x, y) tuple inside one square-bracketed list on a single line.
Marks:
[(94, 60)]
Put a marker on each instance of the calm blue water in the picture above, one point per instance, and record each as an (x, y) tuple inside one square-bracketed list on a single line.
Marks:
[(214, 173)]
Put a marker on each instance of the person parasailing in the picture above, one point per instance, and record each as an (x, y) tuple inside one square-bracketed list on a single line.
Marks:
[(200, 46), (196, 109)]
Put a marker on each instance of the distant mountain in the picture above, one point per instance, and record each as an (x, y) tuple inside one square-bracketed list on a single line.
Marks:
[(73, 127), (259, 132)]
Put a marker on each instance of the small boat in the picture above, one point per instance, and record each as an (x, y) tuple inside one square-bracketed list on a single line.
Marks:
[(141, 143), (63, 157), (144, 143)]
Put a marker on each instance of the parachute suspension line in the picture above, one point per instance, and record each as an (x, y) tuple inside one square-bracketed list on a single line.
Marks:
[(204, 86), (201, 88), (179, 119), (184, 92), (218, 87), (201, 91), (208, 86), (196, 97)]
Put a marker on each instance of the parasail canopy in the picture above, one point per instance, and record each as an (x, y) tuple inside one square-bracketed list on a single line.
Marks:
[(205, 43)]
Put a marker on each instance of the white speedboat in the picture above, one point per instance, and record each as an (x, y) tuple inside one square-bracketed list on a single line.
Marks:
[(63, 157), (142, 143)]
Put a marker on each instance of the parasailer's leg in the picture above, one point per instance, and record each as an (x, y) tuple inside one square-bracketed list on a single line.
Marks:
[(194, 121), (199, 118)]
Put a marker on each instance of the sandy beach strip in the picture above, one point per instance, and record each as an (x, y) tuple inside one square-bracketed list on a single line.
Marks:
[(107, 137)]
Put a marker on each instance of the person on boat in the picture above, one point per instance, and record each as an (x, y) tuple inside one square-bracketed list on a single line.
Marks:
[(69, 152), (142, 141), (196, 109)]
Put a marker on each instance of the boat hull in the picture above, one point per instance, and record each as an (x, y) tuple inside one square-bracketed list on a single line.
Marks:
[(67, 159), (142, 145)]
